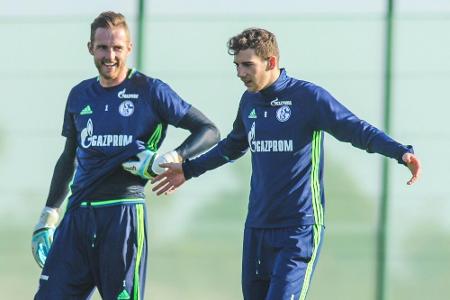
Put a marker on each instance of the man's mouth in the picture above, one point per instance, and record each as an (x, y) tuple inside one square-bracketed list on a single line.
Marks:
[(109, 65), (247, 82)]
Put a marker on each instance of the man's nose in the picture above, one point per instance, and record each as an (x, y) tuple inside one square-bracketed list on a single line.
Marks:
[(240, 72), (110, 54)]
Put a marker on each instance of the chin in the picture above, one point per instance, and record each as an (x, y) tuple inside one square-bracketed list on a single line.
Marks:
[(107, 76), (111, 75)]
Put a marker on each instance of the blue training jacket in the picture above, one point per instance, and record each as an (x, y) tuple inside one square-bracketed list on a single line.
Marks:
[(113, 124), (283, 126)]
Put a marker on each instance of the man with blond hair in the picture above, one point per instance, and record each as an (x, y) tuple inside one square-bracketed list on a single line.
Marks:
[(114, 125)]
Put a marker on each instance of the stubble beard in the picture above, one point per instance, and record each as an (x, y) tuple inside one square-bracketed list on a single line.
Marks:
[(105, 74)]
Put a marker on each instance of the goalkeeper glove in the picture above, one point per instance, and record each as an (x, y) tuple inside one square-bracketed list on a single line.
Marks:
[(147, 165), (42, 238), (142, 167), (169, 157)]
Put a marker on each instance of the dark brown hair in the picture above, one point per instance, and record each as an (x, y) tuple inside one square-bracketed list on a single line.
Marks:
[(262, 41), (109, 19)]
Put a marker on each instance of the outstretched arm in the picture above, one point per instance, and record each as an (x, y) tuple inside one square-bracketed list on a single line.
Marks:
[(232, 147), (336, 119), (414, 165)]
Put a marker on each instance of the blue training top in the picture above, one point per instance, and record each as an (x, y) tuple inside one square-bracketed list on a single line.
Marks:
[(283, 126), (111, 125)]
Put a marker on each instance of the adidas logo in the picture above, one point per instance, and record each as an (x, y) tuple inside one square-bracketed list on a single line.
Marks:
[(124, 295), (86, 110), (252, 114)]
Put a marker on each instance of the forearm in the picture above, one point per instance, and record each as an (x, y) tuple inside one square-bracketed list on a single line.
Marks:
[(336, 119), (59, 186), (208, 161), (62, 174), (204, 134), (199, 141), (226, 151), (230, 148), (385, 145), (367, 137)]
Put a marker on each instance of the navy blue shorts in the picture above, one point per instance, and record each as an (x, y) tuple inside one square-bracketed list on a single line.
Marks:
[(97, 246), (277, 264)]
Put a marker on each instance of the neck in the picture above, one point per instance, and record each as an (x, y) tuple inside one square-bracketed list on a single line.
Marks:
[(274, 74)]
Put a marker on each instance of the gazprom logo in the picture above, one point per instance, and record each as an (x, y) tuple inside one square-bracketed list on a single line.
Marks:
[(123, 95), (267, 145), (86, 134), (88, 138), (251, 137)]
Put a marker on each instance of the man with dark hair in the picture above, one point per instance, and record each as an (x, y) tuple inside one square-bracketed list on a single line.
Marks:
[(114, 125), (281, 120)]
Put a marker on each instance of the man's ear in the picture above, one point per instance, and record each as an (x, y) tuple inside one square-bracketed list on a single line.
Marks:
[(90, 48), (272, 62)]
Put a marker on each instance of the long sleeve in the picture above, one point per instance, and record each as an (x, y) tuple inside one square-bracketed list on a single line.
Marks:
[(62, 174), (204, 134), (336, 119), (230, 148)]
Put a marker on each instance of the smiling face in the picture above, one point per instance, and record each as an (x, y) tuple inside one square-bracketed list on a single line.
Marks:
[(110, 48), (257, 73)]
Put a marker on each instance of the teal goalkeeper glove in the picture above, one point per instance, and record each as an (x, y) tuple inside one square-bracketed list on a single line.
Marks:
[(42, 238)]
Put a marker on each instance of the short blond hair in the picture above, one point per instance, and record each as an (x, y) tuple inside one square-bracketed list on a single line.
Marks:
[(109, 19)]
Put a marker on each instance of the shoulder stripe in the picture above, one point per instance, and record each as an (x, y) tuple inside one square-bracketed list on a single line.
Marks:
[(132, 72), (153, 141)]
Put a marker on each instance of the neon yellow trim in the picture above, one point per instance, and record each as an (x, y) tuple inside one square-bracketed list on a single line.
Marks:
[(70, 189), (131, 73), (153, 141), (113, 202), (313, 177), (140, 245), (315, 182), (309, 269), (317, 209)]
